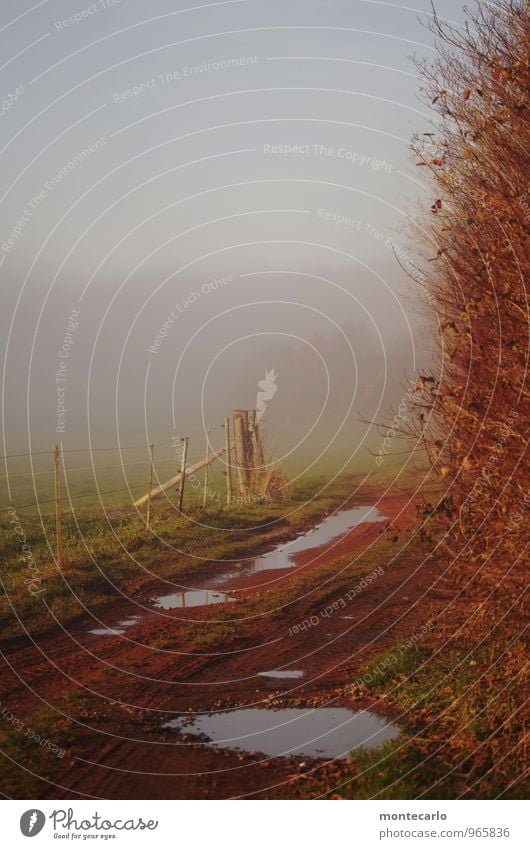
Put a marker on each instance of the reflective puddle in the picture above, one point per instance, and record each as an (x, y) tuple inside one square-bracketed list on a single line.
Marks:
[(191, 598), (283, 556), (283, 673), (118, 630), (317, 733)]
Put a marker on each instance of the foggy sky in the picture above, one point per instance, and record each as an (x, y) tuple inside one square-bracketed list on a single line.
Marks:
[(146, 188)]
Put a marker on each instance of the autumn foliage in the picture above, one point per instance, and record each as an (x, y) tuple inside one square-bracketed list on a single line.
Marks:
[(471, 413), (473, 410)]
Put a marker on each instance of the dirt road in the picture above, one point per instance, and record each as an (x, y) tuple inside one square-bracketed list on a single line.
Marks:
[(118, 690)]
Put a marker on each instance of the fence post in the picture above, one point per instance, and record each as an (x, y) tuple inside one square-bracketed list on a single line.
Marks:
[(228, 462), (256, 449), (205, 493), (240, 439), (184, 457), (58, 514), (151, 454)]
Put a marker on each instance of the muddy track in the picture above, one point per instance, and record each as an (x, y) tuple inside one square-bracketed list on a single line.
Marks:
[(128, 683)]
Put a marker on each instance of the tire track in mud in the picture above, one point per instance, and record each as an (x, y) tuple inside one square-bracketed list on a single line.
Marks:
[(332, 654)]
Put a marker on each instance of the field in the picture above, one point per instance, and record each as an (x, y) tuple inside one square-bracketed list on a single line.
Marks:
[(90, 698)]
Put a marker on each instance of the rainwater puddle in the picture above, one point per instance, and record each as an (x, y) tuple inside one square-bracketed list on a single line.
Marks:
[(118, 630), (191, 598), (282, 557), (317, 733), (283, 673)]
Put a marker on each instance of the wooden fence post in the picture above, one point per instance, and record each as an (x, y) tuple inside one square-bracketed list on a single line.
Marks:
[(205, 493), (240, 439), (258, 471), (258, 456), (182, 481), (58, 514), (228, 462), (151, 454)]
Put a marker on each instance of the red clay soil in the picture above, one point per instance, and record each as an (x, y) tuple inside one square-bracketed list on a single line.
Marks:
[(130, 684)]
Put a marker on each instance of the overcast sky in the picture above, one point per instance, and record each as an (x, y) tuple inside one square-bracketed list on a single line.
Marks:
[(229, 173)]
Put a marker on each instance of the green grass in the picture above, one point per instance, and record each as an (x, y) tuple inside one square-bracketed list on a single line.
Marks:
[(117, 549), (443, 694), (452, 736), (28, 756)]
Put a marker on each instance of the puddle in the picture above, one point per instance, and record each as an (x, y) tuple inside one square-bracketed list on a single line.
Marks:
[(191, 598), (280, 557), (317, 733), (283, 673), (283, 556), (118, 630)]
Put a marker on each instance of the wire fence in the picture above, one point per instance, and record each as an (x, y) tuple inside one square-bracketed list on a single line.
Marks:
[(151, 464), (249, 467), (92, 449)]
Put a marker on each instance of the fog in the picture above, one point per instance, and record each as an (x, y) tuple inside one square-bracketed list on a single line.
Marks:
[(194, 198)]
